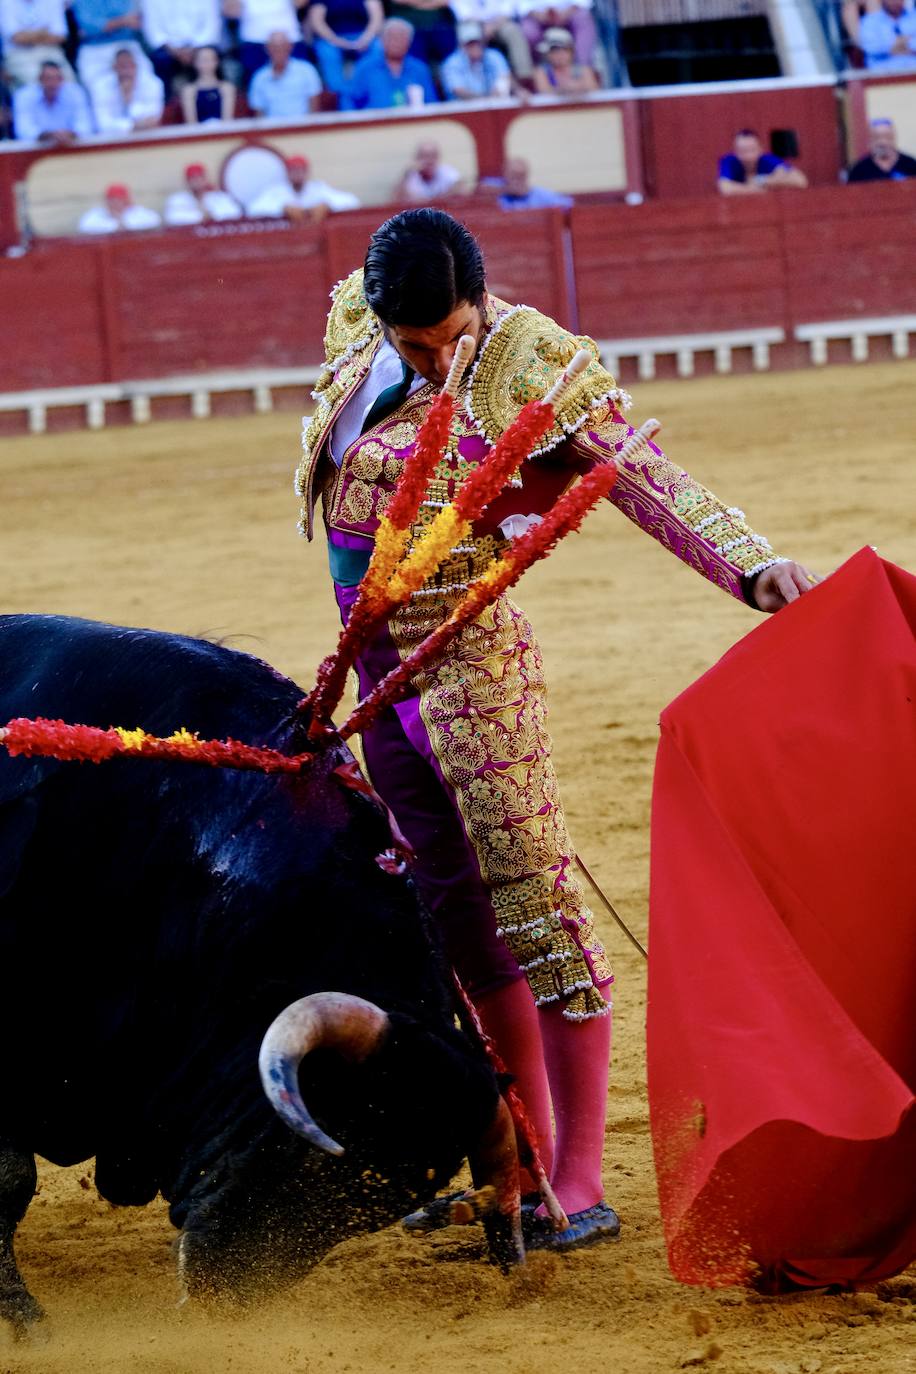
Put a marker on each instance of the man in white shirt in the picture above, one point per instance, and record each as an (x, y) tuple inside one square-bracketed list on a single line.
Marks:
[(128, 97), (173, 30), (300, 197), (118, 212), (32, 31), (201, 202), (428, 179)]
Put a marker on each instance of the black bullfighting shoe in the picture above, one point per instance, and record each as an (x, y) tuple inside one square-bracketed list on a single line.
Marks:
[(599, 1222)]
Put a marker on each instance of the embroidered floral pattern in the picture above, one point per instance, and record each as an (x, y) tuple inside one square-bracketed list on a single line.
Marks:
[(485, 714)]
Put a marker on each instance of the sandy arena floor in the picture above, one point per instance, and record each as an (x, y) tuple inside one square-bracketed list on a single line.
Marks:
[(190, 527)]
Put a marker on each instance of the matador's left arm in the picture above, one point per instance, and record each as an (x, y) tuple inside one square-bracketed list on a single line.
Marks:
[(686, 517)]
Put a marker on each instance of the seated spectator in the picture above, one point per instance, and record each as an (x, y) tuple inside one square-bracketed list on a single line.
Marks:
[(6, 109), (884, 161), (474, 71), (32, 32), (559, 73), (51, 110), (209, 96), (173, 32), (519, 194), (578, 19), (286, 87), (127, 99), (390, 78), (118, 212), (851, 13), (887, 36), (342, 30), (104, 26), (499, 27), (748, 170), (429, 179), (433, 27), (258, 19), (300, 197), (200, 202)]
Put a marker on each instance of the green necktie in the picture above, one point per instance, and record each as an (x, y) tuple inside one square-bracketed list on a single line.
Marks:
[(388, 400)]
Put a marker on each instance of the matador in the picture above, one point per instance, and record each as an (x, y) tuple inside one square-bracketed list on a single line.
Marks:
[(464, 762)]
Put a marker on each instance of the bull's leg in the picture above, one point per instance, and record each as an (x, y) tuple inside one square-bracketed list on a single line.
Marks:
[(17, 1188), (494, 1164)]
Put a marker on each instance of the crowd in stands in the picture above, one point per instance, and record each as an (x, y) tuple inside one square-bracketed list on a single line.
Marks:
[(298, 196), (117, 66), (749, 170)]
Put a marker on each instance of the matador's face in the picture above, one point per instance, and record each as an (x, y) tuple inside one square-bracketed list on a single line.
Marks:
[(430, 351)]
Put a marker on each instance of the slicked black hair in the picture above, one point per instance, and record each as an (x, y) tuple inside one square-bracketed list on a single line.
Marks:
[(421, 265)]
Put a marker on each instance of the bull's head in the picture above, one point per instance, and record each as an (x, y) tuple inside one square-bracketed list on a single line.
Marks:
[(355, 1032)]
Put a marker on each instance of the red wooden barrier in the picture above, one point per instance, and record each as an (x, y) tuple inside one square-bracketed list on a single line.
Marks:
[(255, 294), (679, 268)]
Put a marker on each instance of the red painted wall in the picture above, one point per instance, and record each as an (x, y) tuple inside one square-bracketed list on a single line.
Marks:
[(255, 295), (683, 137)]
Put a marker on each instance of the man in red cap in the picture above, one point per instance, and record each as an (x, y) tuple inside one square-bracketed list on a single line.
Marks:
[(301, 196), (119, 212), (200, 202)]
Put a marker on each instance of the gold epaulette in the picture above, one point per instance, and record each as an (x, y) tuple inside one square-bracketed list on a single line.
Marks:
[(523, 355), (351, 324)]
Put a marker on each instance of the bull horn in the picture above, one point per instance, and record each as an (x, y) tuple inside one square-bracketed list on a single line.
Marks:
[(324, 1020)]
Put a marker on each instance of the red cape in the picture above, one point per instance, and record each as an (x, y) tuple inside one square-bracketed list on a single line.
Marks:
[(782, 966)]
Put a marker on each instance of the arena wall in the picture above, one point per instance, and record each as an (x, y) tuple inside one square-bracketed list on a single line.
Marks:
[(678, 269)]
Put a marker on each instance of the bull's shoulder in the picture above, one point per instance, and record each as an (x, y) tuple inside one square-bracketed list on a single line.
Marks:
[(91, 673)]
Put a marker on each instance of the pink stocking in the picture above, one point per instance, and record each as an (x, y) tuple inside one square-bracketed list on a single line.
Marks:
[(511, 1020), (577, 1055)]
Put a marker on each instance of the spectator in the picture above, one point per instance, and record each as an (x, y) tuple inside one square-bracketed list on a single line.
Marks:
[(51, 110), (474, 71), (104, 26), (884, 161), (343, 29), (32, 32), (559, 74), (210, 96), (118, 212), (519, 194), (887, 36), (748, 170), (851, 13), (200, 203), (300, 197), (499, 26), (286, 87), (258, 19), (6, 109), (382, 81), (578, 19), (127, 99), (433, 27), (173, 31), (429, 179)]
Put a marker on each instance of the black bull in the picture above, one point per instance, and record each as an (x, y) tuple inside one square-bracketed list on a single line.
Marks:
[(156, 917)]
